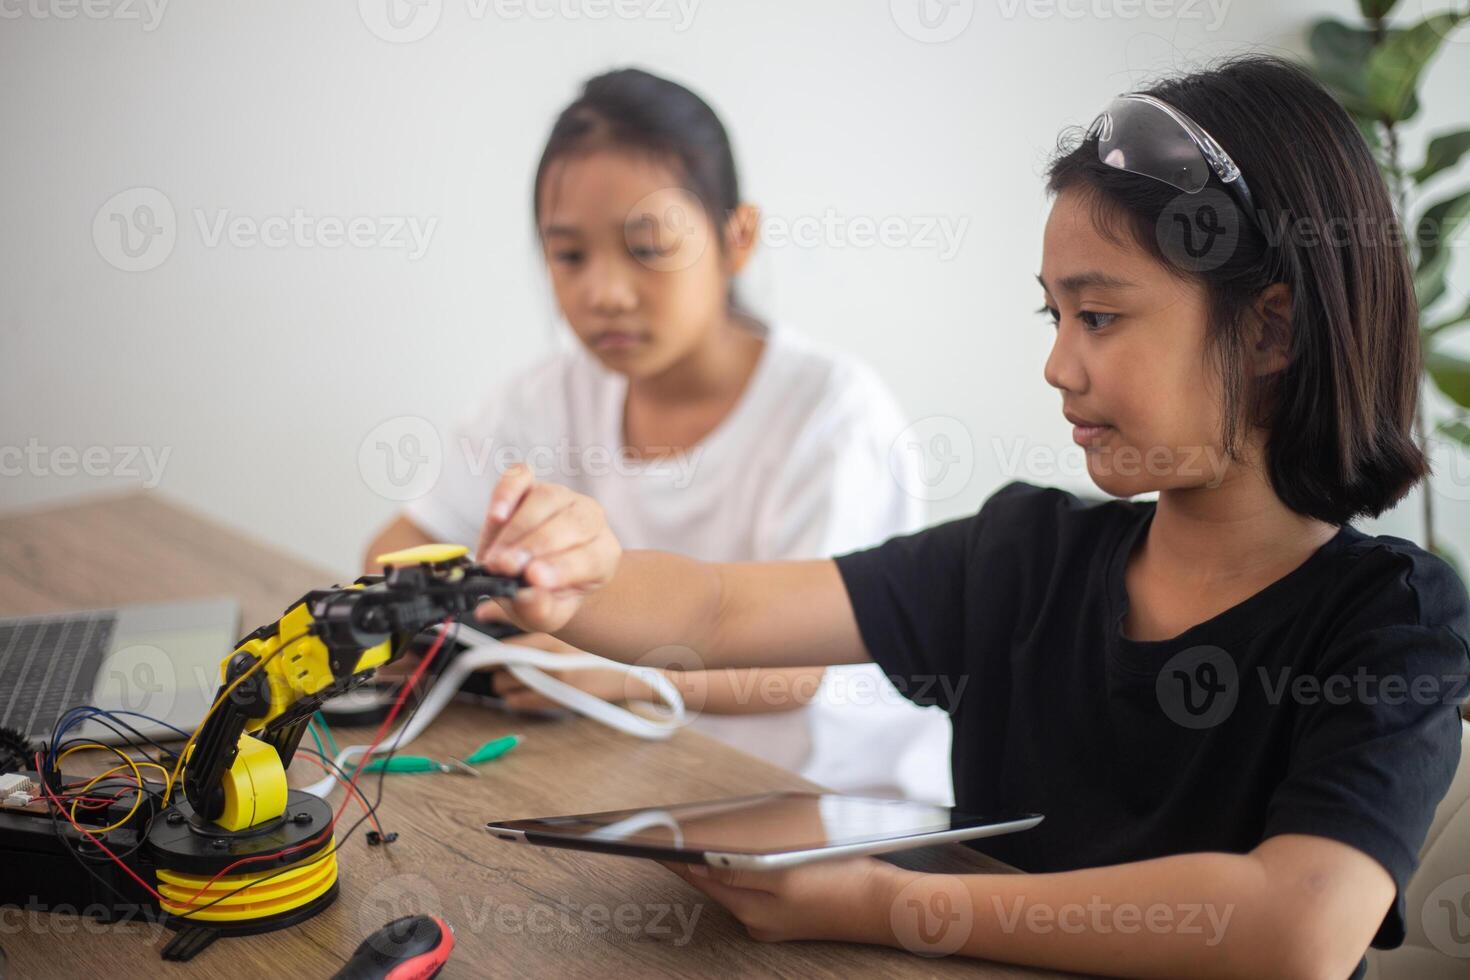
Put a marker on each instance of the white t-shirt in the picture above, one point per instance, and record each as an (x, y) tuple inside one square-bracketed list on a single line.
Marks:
[(800, 468)]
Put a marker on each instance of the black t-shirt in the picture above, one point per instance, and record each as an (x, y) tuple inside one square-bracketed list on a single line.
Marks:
[(1325, 704)]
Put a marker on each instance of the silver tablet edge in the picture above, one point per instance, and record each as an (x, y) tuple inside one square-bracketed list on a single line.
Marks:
[(787, 859), (507, 833)]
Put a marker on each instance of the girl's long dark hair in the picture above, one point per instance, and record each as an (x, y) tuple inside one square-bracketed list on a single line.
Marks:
[(1341, 415), (635, 111)]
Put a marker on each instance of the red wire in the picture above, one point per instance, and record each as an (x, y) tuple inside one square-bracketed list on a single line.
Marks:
[(105, 849), (98, 802), (334, 774), (352, 784), (397, 705), (351, 789)]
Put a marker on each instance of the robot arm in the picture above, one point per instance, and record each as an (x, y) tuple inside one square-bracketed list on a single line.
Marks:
[(327, 642)]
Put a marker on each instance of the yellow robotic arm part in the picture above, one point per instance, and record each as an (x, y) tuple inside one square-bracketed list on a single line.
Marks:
[(254, 786), (433, 554), (325, 643), (304, 670)]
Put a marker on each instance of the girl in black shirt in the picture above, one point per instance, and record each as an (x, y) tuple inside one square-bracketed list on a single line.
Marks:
[(1236, 711)]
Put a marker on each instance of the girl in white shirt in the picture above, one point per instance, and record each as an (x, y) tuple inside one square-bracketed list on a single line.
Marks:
[(697, 429)]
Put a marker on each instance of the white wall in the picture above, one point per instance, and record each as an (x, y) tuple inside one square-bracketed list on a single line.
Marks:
[(261, 370)]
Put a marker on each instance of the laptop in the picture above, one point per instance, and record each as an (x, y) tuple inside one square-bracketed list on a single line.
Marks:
[(160, 659)]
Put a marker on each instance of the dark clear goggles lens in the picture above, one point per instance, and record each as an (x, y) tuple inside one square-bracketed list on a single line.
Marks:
[(1145, 139)]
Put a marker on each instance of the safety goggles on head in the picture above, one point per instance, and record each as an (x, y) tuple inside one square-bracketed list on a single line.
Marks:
[(1144, 135)]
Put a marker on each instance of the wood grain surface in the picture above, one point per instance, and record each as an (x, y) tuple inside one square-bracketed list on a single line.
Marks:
[(517, 910)]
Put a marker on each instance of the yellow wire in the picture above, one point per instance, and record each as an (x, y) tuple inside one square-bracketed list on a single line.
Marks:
[(184, 752), (131, 764), (142, 762)]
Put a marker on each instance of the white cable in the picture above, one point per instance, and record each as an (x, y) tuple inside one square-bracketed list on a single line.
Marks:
[(528, 666)]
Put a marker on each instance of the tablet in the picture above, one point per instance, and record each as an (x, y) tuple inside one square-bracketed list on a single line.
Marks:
[(773, 830)]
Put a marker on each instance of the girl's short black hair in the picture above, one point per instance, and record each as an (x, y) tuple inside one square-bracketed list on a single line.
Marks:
[(635, 111), (1340, 416)]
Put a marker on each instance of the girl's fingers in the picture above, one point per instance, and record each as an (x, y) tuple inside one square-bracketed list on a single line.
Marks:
[(529, 701), (507, 495), (535, 608), (539, 504), (583, 564), (710, 881), (490, 611), (579, 519), (559, 540), (503, 682)]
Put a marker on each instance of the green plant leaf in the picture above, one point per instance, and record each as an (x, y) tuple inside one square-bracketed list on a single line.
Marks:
[(1451, 374), (1445, 150), (1453, 320), (1340, 53), (1372, 135), (1395, 65), (1431, 281), (1457, 430), (1376, 9), (1437, 230)]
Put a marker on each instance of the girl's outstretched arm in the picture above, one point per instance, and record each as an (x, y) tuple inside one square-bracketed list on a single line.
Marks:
[(655, 608), (1295, 906)]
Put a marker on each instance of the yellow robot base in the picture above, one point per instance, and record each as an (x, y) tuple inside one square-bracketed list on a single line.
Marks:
[(280, 873)]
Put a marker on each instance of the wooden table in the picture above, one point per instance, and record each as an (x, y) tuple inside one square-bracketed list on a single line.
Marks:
[(516, 910)]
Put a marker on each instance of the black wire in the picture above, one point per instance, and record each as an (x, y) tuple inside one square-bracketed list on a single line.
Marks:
[(75, 851), (100, 857), (131, 742), (81, 740), (336, 845), (342, 774)]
